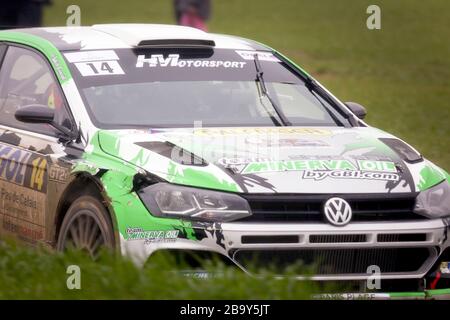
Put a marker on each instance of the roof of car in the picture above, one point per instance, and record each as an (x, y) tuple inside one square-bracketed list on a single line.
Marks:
[(108, 36)]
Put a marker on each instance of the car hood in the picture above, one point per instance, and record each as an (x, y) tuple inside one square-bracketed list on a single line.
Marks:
[(270, 160)]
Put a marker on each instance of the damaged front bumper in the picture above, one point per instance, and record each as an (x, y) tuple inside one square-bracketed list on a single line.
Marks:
[(408, 250)]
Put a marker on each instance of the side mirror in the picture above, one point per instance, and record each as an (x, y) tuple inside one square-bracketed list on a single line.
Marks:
[(35, 113), (357, 109), (38, 113)]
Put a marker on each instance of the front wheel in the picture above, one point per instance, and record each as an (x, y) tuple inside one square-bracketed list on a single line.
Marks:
[(86, 227)]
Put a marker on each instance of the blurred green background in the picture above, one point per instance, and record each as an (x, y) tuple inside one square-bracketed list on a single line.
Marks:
[(401, 73)]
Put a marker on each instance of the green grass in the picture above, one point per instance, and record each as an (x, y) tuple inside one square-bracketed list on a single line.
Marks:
[(400, 73), (27, 273)]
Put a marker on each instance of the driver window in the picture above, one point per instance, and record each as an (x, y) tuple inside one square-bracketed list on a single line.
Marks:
[(26, 79)]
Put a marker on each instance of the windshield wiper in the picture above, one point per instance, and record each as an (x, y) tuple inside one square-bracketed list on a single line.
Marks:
[(265, 93)]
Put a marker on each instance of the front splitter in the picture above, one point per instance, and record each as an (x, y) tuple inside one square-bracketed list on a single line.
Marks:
[(437, 294)]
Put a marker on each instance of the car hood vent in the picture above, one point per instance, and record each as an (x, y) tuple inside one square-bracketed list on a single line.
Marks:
[(173, 152)]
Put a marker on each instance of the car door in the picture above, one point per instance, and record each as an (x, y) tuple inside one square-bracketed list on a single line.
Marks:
[(29, 153)]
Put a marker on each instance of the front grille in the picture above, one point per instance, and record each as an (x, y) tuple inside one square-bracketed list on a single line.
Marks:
[(335, 261), (308, 208), (270, 239), (402, 237), (337, 238)]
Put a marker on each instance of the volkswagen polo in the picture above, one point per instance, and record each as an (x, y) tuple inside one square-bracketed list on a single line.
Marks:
[(155, 138)]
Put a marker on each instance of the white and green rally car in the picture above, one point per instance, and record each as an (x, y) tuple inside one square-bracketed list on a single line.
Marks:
[(150, 137)]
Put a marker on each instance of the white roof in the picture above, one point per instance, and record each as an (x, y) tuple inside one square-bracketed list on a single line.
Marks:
[(133, 34), (103, 36)]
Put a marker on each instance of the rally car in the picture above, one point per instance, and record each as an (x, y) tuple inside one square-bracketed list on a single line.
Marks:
[(156, 138)]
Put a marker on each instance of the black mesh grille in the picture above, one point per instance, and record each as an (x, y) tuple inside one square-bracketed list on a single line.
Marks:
[(336, 261), (402, 237), (337, 238), (308, 208), (270, 239)]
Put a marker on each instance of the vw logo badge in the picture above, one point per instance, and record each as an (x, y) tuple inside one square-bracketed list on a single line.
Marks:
[(337, 211)]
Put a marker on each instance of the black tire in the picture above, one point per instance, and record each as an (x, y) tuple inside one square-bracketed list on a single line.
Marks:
[(87, 227)]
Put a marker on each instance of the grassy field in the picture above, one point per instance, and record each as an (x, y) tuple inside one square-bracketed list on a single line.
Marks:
[(38, 274), (401, 73)]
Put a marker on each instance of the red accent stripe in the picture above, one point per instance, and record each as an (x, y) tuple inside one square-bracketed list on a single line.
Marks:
[(435, 281)]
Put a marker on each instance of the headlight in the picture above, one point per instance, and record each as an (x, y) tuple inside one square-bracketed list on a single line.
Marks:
[(168, 200), (434, 202)]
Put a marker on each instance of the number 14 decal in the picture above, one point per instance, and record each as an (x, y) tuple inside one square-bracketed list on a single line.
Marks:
[(99, 68), (37, 175)]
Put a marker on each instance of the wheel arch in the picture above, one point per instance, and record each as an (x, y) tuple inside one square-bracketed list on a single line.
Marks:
[(84, 183)]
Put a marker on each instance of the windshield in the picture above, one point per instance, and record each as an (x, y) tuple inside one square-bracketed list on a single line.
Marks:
[(161, 87)]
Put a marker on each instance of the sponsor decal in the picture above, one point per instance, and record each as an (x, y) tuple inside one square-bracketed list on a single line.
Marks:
[(331, 168), (330, 165), (262, 56), (233, 162), (23, 186), (29, 233), (58, 67), (88, 56), (173, 60), (22, 203), (320, 175), (58, 173), (21, 199), (269, 130), (293, 142), (351, 296), (151, 236), (23, 168)]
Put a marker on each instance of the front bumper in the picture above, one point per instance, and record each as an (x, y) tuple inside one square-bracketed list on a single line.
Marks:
[(226, 239)]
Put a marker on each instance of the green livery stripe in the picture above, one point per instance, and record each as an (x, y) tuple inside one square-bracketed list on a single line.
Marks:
[(286, 58), (430, 176), (437, 292), (197, 178), (46, 47), (294, 64), (407, 295), (426, 294), (128, 209)]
